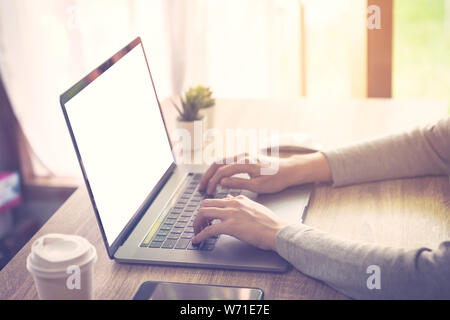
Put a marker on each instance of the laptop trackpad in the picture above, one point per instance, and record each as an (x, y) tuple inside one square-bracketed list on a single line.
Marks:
[(289, 204)]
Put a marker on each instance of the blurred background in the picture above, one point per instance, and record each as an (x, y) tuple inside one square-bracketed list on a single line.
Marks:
[(257, 49)]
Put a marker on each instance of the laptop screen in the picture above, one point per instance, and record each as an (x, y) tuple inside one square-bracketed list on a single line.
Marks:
[(120, 135)]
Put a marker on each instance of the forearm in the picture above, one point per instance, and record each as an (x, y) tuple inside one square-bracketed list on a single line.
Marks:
[(307, 168), (423, 151), (347, 266), (420, 152)]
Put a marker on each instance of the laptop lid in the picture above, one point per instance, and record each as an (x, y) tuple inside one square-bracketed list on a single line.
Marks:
[(119, 135)]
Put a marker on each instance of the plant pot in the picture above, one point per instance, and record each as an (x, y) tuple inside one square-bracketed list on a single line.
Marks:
[(190, 133), (208, 113)]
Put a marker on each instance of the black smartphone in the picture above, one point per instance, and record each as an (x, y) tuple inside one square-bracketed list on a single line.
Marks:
[(153, 290)]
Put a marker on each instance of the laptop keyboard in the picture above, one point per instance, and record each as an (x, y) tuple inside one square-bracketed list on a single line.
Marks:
[(175, 230)]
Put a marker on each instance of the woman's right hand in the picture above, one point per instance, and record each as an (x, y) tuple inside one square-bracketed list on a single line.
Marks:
[(266, 174)]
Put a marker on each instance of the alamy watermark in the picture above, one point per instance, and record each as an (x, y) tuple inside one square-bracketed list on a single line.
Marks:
[(73, 17), (374, 280), (73, 281), (374, 18)]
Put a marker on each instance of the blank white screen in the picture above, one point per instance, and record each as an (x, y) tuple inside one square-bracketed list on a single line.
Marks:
[(121, 139)]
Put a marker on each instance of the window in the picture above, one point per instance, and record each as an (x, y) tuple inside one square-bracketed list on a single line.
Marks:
[(421, 49)]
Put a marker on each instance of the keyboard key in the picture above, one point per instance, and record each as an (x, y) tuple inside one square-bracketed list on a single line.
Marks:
[(197, 176), (184, 219), (170, 221), (173, 216), (177, 230), (182, 244), (187, 235), (173, 235), (187, 214), (176, 210), (163, 233), (192, 247), (180, 224), (189, 229), (155, 244), (167, 226), (159, 238), (169, 243), (220, 195)]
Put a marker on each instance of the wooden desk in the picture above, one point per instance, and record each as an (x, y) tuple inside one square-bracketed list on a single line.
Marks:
[(405, 213)]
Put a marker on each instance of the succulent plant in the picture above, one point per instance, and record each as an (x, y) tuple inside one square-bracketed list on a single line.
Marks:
[(196, 98)]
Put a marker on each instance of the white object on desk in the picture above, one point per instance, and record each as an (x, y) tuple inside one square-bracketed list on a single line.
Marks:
[(295, 143)]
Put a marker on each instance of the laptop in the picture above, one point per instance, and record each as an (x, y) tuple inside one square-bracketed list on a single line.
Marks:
[(144, 202)]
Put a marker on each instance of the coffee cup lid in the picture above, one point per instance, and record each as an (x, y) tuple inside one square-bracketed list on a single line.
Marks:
[(53, 253)]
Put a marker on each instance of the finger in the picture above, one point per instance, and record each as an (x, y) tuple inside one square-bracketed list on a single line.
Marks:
[(205, 215), (214, 213), (240, 158), (227, 171), (207, 175), (238, 183), (210, 231), (218, 203), (217, 164)]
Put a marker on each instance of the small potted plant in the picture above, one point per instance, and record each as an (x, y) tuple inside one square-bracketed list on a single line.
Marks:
[(206, 108), (195, 99)]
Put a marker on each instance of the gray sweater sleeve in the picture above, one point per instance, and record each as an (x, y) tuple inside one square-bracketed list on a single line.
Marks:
[(367, 271), (423, 151)]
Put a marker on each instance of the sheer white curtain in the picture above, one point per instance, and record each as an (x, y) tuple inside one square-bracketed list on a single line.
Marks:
[(241, 48), (48, 45)]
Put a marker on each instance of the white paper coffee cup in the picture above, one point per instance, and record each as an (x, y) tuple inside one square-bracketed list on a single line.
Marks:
[(62, 267)]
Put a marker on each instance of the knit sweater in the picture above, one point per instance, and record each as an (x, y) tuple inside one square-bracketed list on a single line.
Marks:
[(422, 273)]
